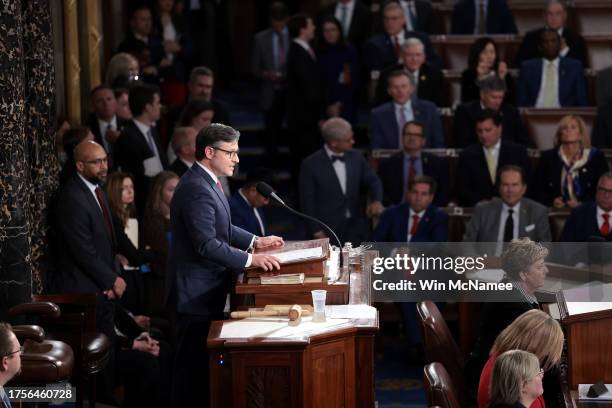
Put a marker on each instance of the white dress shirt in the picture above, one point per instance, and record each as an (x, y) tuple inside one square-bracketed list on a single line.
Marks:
[(340, 170), (153, 165), (304, 45), (103, 126), (350, 6), (545, 62), (600, 219), (92, 187)]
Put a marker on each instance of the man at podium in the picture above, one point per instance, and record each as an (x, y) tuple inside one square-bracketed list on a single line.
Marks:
[(204, 249)]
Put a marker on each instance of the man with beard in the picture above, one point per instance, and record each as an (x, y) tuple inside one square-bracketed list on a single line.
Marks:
[(10, 360)]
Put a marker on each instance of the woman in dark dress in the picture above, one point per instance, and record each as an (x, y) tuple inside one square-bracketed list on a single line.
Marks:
[(569, 172), (483, 61), (339, 67)]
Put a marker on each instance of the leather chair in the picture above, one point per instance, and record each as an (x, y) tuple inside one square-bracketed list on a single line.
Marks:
[(439, 388), (557, 219), (43, 361), (77, 327), (439, 344)]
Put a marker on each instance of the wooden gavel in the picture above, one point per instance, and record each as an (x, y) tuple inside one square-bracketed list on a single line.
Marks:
[(293, 312)]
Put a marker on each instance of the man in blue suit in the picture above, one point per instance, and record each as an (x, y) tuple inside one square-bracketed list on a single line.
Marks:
[(551, 81), (417, 220), (388, 119), (482, 17), (383, 50), (246, 205), (331, 182), (204, 250), (591, 221)]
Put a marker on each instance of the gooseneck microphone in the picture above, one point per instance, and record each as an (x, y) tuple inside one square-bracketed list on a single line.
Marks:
[(268, 192)]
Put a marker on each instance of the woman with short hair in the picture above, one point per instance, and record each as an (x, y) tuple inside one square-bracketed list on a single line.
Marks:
[(516, 380)]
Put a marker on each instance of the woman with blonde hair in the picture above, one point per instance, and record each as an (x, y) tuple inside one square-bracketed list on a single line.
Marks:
[(122, 70), (516, 381), (568, 173), (533, 331)]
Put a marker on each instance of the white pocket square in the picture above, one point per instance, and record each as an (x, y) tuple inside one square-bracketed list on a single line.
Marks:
[(530, 227)]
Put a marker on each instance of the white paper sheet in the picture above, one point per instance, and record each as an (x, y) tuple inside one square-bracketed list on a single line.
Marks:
[(275, 327), (350, 312), (299, 254)]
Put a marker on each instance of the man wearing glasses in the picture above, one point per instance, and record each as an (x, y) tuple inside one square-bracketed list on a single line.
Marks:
[(10, 355), (87, 246), (204, 251), (591, 221)]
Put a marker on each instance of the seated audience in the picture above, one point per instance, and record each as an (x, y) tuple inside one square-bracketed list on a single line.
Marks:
[(246, 204), (535, 332), (551, 81), (511, 216), (591, 221), (492, 92), (479, 164), (555, 18), (146, 46), (428, 81), (516, 381), (103, 121), (416, 220), (412, 162), (331, 184), (482, 17), (123, 70), (355, 18), (123, 104), (156, 236), (339, 66), (483, 63), (183, 145), (387, 120), (71, 139), (383, 50), (269, 66), (568, 173), (138, 149)]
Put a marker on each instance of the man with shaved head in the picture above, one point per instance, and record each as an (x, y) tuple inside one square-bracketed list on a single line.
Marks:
[(87, 261)]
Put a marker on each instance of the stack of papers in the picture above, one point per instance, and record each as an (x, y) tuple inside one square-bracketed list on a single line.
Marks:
[(299, 255), (286, 279)]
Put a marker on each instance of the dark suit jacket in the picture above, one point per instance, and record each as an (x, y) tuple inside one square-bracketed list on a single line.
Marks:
[(131, 149), (393, 225), (92, 124), (424, 16), (391, 170), (464, 124), (431, 86), (549, 172), (572, 84), (380, 52), (243, 216), (470, 90), (531, 42), (601, 135), (305, 97), (473, 181), (582, 224), (499, 18), (205, 246), (361, 23), (321, 195), (384, 131), (87, 250), (178, 167)]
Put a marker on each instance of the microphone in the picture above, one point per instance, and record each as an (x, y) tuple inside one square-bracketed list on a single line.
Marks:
[(268, 192)]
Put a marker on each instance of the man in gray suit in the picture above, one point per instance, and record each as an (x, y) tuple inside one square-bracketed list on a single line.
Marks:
[(331, 181), (269, 66), (511, 215)]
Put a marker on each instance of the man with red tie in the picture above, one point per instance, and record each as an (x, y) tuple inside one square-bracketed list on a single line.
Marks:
[(416, 220), (591, 221)]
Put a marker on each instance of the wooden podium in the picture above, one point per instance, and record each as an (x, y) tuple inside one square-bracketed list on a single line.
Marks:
[(330, 366)]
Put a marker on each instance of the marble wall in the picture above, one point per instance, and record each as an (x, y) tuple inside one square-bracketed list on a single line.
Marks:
[(28, 167)]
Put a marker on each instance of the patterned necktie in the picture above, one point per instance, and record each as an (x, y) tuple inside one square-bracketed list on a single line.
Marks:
[(344, 19), (550, 90), (5, 400), (415, 225), (605, 227), (509, 228)]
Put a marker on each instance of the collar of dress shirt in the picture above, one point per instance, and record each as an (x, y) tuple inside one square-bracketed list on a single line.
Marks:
[(103, 124), (555, 62), (141, 37), (209, 171), (495, 147), (408, 156), (530, 298), (420, 214), (244, 198), (331, 153), (303, 44), (92, 187), (349, 6), (516, 208), (407, 105), (600, 212), (142, 127), (187, 163)]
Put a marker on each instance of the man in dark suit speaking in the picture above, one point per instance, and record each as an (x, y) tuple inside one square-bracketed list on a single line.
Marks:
[(204, 250)]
